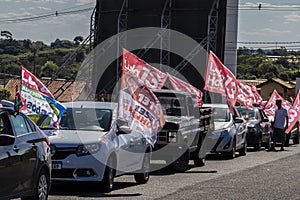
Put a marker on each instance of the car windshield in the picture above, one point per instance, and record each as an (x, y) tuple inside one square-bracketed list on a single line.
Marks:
[(248, 114), (43, 121), (221, 115), (173, 106), (90, 119)]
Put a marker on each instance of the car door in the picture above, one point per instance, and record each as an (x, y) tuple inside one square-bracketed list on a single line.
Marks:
[(265, 125), (10, 163), (128, 156), (25, 151), (240, 129)]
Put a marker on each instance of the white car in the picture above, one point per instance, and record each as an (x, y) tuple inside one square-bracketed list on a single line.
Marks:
[(90, 146), (229, 132)]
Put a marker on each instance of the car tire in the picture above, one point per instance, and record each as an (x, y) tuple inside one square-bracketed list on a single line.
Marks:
[(296, 138), (182, 163), (268, 144), (107, 184), (243, 150), (257, 146), (231, 154), (42, 187), (199, 162), (143, 177)]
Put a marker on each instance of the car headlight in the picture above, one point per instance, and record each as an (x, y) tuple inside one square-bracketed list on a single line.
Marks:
[(172, 136), (250, 125), (87, 149), (224, 132)]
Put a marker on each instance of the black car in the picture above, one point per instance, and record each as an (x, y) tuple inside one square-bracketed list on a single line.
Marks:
[(25, 162), (259, 127)]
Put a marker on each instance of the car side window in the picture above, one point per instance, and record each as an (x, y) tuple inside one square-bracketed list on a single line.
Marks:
[(20, 125)]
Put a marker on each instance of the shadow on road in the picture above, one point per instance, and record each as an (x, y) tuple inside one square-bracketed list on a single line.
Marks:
[(88, 189)]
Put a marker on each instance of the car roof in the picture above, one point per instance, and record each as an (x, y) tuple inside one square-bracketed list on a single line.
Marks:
[(244, 107), (91, 104), (215, 105)]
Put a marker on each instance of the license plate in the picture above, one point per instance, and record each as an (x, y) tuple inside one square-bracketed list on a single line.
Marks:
[(56, 165)]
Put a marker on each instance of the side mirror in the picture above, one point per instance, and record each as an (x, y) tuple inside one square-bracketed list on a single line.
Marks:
[(6, 140), (238, 120), (124, 129)]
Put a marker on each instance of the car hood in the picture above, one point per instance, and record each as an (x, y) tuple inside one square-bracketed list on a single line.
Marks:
[(222, 125), (253, 122), (179, 120), (76, 137)]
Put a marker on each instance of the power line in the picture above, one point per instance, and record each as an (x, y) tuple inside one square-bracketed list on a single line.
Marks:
[(45, 16)]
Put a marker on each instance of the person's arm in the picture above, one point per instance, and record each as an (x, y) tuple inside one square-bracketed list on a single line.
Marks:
[(287, 121)]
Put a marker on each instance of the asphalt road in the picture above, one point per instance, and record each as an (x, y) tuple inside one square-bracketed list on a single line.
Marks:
[(258, 175)]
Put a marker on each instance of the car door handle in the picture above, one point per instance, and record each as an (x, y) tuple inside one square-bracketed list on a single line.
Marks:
[(16, 149)]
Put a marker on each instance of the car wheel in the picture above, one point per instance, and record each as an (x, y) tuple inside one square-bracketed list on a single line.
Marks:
[(108, 180), (243, 150), (231, 154), (42, 187), (258, 144), (296, 139), (182, 163), (199, 162), (287, 139), (268, 144), (143, 177)]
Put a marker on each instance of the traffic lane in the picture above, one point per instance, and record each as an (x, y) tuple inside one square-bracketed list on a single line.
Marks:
[(164, 182), (274, 180)]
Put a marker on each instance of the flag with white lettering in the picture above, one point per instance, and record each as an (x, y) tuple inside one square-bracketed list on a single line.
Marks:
[(38, 98), (180, 85), (294, 113), (149, 75), (139, 107), (219, 79), (245, 94)]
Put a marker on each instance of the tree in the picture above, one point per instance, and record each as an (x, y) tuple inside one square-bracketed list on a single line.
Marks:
[(4, 94), (48, 69)]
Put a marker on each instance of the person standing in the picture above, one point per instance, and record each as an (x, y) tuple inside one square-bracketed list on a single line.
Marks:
[(280, 125)]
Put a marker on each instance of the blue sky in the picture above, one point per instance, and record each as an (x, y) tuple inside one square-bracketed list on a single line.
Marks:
[(278, 20)]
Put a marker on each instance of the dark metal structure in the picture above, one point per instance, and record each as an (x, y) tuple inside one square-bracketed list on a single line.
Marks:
[(202, 20)]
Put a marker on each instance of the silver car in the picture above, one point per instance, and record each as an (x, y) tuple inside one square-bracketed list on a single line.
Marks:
[(91, 146), (229, 132)]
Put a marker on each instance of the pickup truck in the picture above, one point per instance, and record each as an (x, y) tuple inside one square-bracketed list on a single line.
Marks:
[(183, 133)]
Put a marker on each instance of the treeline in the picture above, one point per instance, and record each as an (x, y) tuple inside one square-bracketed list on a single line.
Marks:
[(41, 59), (267, 64), (46, 60)]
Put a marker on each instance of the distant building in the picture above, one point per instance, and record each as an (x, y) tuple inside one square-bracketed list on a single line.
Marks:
[(285, 89)]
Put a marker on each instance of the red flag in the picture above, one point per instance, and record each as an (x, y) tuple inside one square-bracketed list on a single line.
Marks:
[(150, 76), (178, 84), (139, 107), (270, 106), (294, 113), (219, 79), (245, 94)]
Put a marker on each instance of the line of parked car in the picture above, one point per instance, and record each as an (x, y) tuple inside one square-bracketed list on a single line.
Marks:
[(92, 145)]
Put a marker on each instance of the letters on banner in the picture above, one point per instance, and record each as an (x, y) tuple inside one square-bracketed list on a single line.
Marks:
[(150, 76), (293, 113), (37, 97), (139, 107), (220, 80), (178, 84)]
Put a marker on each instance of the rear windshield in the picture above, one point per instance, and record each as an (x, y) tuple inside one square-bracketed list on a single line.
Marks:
[(90, 119), (248, 114), (221, 115)]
